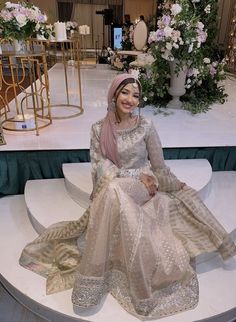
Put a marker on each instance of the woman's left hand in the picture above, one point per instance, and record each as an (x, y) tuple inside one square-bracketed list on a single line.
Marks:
[(149, 182)]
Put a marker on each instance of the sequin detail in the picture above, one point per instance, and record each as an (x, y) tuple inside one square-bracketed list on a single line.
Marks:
[(177, 297)]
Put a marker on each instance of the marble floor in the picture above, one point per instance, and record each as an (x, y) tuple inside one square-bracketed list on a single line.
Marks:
[(178, 129)]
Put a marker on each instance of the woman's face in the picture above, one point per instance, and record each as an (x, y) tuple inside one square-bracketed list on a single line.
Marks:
[(127, 99)]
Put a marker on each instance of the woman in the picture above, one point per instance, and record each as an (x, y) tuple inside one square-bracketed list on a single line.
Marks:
[(142, 229)]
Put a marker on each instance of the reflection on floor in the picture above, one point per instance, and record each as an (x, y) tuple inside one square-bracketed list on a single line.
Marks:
[(179, 129)]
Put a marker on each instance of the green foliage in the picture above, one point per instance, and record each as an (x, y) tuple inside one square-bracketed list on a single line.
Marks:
[(206, 70)]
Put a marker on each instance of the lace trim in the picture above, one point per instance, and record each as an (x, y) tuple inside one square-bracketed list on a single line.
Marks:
[(177, 297)]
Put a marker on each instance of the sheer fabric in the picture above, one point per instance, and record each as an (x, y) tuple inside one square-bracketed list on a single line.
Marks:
[(127, 243)]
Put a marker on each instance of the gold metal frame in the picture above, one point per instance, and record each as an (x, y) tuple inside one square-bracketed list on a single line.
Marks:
[(70, 50), (38, 90)]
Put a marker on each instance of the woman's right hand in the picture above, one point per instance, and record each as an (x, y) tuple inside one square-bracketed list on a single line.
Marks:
[(149, 182)]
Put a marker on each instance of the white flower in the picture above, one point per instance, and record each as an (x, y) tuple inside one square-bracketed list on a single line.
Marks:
[(21, 19), (176, 46), (145, 99), (195, 1), (190, 48), (207, 60), (195, 72), (168, 46), (168, 55), (38, 26), (6, 15), (152, 37), (168, 31), (176, 9), (10, 5), (208, 9), (200, 25), (134, 73)]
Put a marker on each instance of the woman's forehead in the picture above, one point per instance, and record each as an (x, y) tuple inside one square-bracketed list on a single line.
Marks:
[(132, 86)]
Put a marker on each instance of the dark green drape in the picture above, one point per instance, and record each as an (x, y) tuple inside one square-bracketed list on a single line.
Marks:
[(19, 166), (65, 10)]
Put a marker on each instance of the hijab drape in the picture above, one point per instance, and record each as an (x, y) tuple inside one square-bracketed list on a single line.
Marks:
[(108, 138)]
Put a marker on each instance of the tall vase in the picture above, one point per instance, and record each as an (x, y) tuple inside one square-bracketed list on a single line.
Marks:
[(19, 46), (177, 84)]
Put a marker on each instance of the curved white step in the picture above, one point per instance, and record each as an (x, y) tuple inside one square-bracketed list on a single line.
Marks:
[(217, 286), (195, 172), (48, 202)]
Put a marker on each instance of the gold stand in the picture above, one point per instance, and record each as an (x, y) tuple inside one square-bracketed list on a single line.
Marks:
[(2, 140), (70, 56), (33, 111), (84, 60)]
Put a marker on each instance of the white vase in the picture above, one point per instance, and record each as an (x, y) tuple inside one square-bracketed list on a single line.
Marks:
[(177, 84), (19, 46)]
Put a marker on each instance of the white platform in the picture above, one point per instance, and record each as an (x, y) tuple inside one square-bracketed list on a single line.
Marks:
[(179, 129), (217, 285), (48, 203)]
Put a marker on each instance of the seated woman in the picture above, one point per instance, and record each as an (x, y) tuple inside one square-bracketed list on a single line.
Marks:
[(142, 229)]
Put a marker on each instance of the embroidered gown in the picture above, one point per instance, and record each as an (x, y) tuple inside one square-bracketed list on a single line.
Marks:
[(127, 243)]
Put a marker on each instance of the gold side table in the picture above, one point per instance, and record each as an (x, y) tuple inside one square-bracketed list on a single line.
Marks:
[(67, 53), (32, 110)]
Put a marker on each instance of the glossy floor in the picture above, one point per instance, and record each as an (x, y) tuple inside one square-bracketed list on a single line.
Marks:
[(179, 129)]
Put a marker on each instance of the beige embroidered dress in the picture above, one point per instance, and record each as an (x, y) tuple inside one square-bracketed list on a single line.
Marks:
[(127, 243)]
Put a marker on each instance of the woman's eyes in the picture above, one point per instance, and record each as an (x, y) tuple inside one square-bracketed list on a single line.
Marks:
[(127, 93)]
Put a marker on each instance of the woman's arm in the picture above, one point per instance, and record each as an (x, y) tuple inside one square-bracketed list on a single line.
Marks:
[(167, 180)]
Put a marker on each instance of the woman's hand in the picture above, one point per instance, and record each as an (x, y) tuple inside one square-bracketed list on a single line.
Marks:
[(149, 182)]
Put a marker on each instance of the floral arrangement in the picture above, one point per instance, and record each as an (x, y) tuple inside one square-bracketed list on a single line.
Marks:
[(44, 31), (18, 20), (186, 32), (121, 63), (71, 25), (180, 33)]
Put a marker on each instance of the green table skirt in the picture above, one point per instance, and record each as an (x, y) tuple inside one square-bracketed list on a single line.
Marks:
[(16, 167)]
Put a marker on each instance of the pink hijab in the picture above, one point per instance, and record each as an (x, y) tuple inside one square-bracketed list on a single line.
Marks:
[(108, 138)]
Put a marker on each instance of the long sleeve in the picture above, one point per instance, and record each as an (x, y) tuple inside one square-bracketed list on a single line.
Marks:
[(167, 180)]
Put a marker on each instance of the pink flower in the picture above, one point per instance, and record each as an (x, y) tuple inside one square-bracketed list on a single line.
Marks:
[(213, 71)]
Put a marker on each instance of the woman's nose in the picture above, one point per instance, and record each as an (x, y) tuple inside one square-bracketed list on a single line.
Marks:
[(130, 98)]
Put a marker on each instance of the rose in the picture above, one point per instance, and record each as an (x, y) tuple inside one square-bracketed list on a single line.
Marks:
[(175, 9)]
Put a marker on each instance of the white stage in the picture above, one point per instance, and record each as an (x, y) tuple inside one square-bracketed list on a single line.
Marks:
[(217, 283), (216, 128), (179, 129)]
